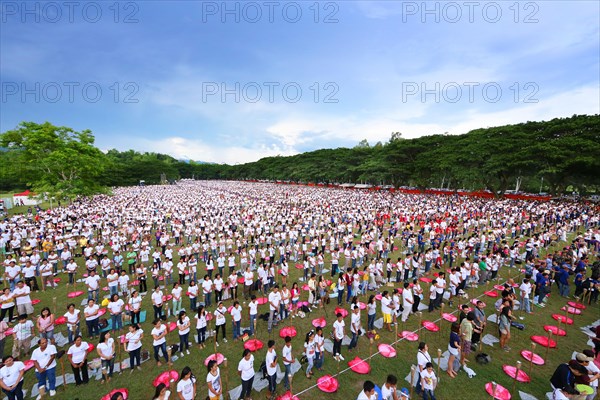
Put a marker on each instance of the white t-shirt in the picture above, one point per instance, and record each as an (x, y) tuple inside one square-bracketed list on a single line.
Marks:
[(387, 393), (93, 282), (106, 347), (338, 329), (355, 322), (363, 396), (9, 375), (176, 292), (593, 369), (253, 307), (157, 298), (135, 303), (274, 298), (133, 340), (186, 388), (428, 378), (43, 356), (207, 286), (116, 306), (200, 321), (220, 316), (286, 353), (78, 353), (271, 357), (385, 305), (22, 299), (216, 382), (236, 313), (186, 321), (246, 367), (158, 331), (23, 330), (91, 310)]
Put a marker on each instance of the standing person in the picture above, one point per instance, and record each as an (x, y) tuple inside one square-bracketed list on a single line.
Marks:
[(176, 292), (183, 327), (92, 282), (77, 354), (423, 358), (407, 301), (453, 348), (271, 362), (159, 333), (248, 282), (3, 329), (525, 290), (106, 351), (288, 360), (135, 307), (220, 322), (246, 372), (338, 336), (504, 327), (44, 358), (8, 305), (91, 318), (466, 333), (133, 346), (45, 324), (213, 380), (207, 288), (115, 307), (140, 273), (236, 315), (218, 285), (319, 349), (274, 301), (309, 349), (22, 335), (157, 302), (162, 392), (253, 313), (417, 295), (11, 378), (428, 382), (355, 327), (386, 309), (21, 294), (186, 387), (201, 326), (341, 285), (192, 293), (371, 312), (73, 322)]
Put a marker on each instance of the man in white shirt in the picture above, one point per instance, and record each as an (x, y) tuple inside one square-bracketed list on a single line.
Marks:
[(338, 336), (44, 358), (355, 327), (21, 294), (388, 389), (271, 361), (274, 301), (22, 335), (288, 360), (93, 284), (407, 301), (368, 392)]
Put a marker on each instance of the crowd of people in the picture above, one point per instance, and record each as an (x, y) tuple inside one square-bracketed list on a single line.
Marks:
[(208, 244)]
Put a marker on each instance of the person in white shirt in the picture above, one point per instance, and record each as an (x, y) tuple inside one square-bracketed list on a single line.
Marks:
[(11, 378), (183, 328), (525, 290), (355, 327), (386, 309), (388, 389), (338, 336), (220, 322), (113, 281), (91, 318), (407, 301), (428, 381), (21, 294), (246, 372), (115, 307), (93, 285), (44, 358), (368, 392), (274, 301), (207, 288), (106, 351), (213, 380), (8, 305), (271, 362), (77, 354), (123, 284), (159, 333), (133, 345), (73, 321), (288, 360), (236, 315), (157, 302), (22, 335), (201, 323)]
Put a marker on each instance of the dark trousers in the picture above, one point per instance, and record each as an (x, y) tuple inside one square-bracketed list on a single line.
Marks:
[(337, 347), (135, 358), (81, 373), (247, 387), (16, 393)]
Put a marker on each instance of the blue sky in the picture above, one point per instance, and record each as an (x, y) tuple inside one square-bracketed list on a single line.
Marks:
[(221, 81)]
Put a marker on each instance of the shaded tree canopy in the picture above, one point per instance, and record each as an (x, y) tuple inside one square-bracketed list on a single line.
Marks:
[(558, 155)]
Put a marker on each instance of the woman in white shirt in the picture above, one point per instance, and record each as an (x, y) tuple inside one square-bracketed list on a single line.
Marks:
[(186, 387), (201, 326), (8, 305), (115, 307), (192, 293), (213, 380), (248, 283), (135, 304), (11, 378), (220, 322), (73, 321), (133, 345), (176, 293), (106, 351), (159, 333), (246, 372), (91, 318), (218, 284), (77, 354), (310, 350), (232, 280), (183, 327)]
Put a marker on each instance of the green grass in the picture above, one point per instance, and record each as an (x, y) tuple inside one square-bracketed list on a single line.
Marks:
[(140, 382)]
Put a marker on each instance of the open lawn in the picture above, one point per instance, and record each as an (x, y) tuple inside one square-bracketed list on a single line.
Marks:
[(140, 386)]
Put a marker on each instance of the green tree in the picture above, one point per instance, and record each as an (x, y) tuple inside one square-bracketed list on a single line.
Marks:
[(56, 160)]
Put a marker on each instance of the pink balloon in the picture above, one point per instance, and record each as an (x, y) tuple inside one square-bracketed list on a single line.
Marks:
[(218, 357), (319, 322), (327, 384), (288, 331), (408, 335), (386, 350), (531, 356), (359, 366), (501, 393), (511, 371)]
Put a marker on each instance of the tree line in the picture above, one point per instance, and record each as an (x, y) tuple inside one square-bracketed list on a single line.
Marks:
[(553, 156)]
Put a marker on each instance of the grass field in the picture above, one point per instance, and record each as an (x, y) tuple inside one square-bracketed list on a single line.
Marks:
[(140, 382)]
